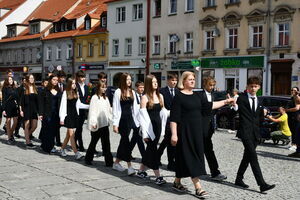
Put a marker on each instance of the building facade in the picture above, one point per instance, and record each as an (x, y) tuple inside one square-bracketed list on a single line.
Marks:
[(127, 38)]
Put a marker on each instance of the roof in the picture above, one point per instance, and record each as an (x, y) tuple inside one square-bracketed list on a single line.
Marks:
[(58, 35), (95, 29), (49, 10), (111, 1), (12, 5)]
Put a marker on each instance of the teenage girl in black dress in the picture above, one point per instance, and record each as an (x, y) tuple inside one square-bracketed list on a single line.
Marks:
[(29, 108), (10, 106), (153, 102), (69, 115)]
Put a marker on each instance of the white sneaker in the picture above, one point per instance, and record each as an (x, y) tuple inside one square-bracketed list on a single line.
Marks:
[(78, 155), (130, 171), (63, 153), (293, 148), (53, 150), (118, 167)]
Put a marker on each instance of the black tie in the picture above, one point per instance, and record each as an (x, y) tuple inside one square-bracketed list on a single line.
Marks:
[(253, 104), (172, 92)]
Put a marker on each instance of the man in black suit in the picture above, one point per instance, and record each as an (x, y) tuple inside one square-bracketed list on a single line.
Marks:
[(209, 129), (251, 113), (83, 96), (169, 93)]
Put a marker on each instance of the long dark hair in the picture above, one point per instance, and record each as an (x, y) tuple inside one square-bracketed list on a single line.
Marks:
[(28, 84), (50, 86), (149, 91), (124, 87), (71, 93), (6, 83)]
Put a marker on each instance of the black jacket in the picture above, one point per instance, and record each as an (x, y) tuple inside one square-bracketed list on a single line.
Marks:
[(249, 122), (9, 96), (45, 103), (207, 113), (168, 99), (83, 98)]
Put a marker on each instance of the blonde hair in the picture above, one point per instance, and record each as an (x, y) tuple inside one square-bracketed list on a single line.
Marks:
[(183, 78)]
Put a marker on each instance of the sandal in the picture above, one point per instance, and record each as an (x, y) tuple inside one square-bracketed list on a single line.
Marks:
[(201, 193), (179, 187)]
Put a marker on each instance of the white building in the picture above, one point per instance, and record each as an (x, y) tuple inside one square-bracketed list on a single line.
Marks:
[(127, 37)]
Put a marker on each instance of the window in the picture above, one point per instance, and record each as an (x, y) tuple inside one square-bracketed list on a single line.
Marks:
[(102, 48), (74, 25), (188, 42), (16, 56), (38, 55), (210, 3), (103, 21), (209, 40), (66, 26), (79, 50), (283, 34), (173, 7), (8, 56), (23, 56), (189, 5), (34, 28), (91, 49), (58, 53), (1, 57), (69, 51), (87, 24), (49, 53), (121, 14), (156, 44), (232, 38), (115, 48), (30, 56), (257, 36), (137, 12), (157, 8), (172, 44), (11, 32), (128, 47), (142, 45), (62, 27), (233, 1)]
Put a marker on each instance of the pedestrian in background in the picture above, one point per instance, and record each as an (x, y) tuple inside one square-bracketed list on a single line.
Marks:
[(125, 111), (100, 115), (153, 122), (29, 108)]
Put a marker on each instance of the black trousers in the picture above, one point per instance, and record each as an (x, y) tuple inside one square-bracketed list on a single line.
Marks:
[(137, 139), (250, 156), (210, 154), (78, 132), (124, 152), (166, 143), (102, 133), (57, 137), (50, 128)]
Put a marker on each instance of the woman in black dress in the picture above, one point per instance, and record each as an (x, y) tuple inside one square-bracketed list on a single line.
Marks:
[(187, 136), (49, 110), (69, 115), (29, 108), (151, 106), (10, 105), (125, 111)]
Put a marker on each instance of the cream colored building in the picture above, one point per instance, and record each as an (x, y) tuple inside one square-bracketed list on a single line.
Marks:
[(234, 39)]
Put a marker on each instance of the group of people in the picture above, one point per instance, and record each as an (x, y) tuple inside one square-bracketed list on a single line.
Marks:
[(178, 112)]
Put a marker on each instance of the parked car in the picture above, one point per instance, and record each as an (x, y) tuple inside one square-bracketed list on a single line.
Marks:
[(227, 118)]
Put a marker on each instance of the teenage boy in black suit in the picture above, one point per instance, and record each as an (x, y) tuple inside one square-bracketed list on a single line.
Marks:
[(251, 113), (209, 84), (83, 96), (168, 93)]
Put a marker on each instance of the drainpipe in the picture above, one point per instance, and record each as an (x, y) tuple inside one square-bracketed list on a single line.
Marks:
[(269, 44), (73, 56), (148, 37)]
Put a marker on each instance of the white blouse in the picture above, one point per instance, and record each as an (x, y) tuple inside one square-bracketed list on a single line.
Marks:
[(100, 113)]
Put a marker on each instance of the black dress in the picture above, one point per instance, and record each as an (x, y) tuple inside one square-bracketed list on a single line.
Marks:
[(151, 156), (10, 102), (186, 112), (71, 120), (29, 103), (125, 125)]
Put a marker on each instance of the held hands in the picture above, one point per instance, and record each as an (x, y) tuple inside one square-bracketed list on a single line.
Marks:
[(116, 129), (146, 139), (22, 113), (94, 126), (40, 117), (62, 123), (4, 113), (174, 140), (230, 100)]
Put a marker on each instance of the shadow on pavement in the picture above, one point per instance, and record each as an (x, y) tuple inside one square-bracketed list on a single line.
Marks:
[(276, 156)]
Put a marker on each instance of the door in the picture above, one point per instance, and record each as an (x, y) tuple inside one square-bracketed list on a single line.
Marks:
[(281, 78)]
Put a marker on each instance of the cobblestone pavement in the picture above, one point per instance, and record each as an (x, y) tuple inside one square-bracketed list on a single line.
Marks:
[(30, 174)]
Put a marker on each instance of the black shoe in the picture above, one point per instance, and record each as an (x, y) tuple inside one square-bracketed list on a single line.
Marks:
[(266, 187), (132, 158), (17, 135), (87, 162), (81, 149), (219, 177), (241, 183), (30, 146), (31, 137), (58, 144)]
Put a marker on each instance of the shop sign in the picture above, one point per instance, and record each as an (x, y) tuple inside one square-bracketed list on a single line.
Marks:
[(91, 67), (120, 63), (195, 63), (182, 65), (233, 62), (156, 65)]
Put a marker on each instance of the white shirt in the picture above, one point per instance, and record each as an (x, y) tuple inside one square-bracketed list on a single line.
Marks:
[(81, 85), (208, 95), (236, 107)]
